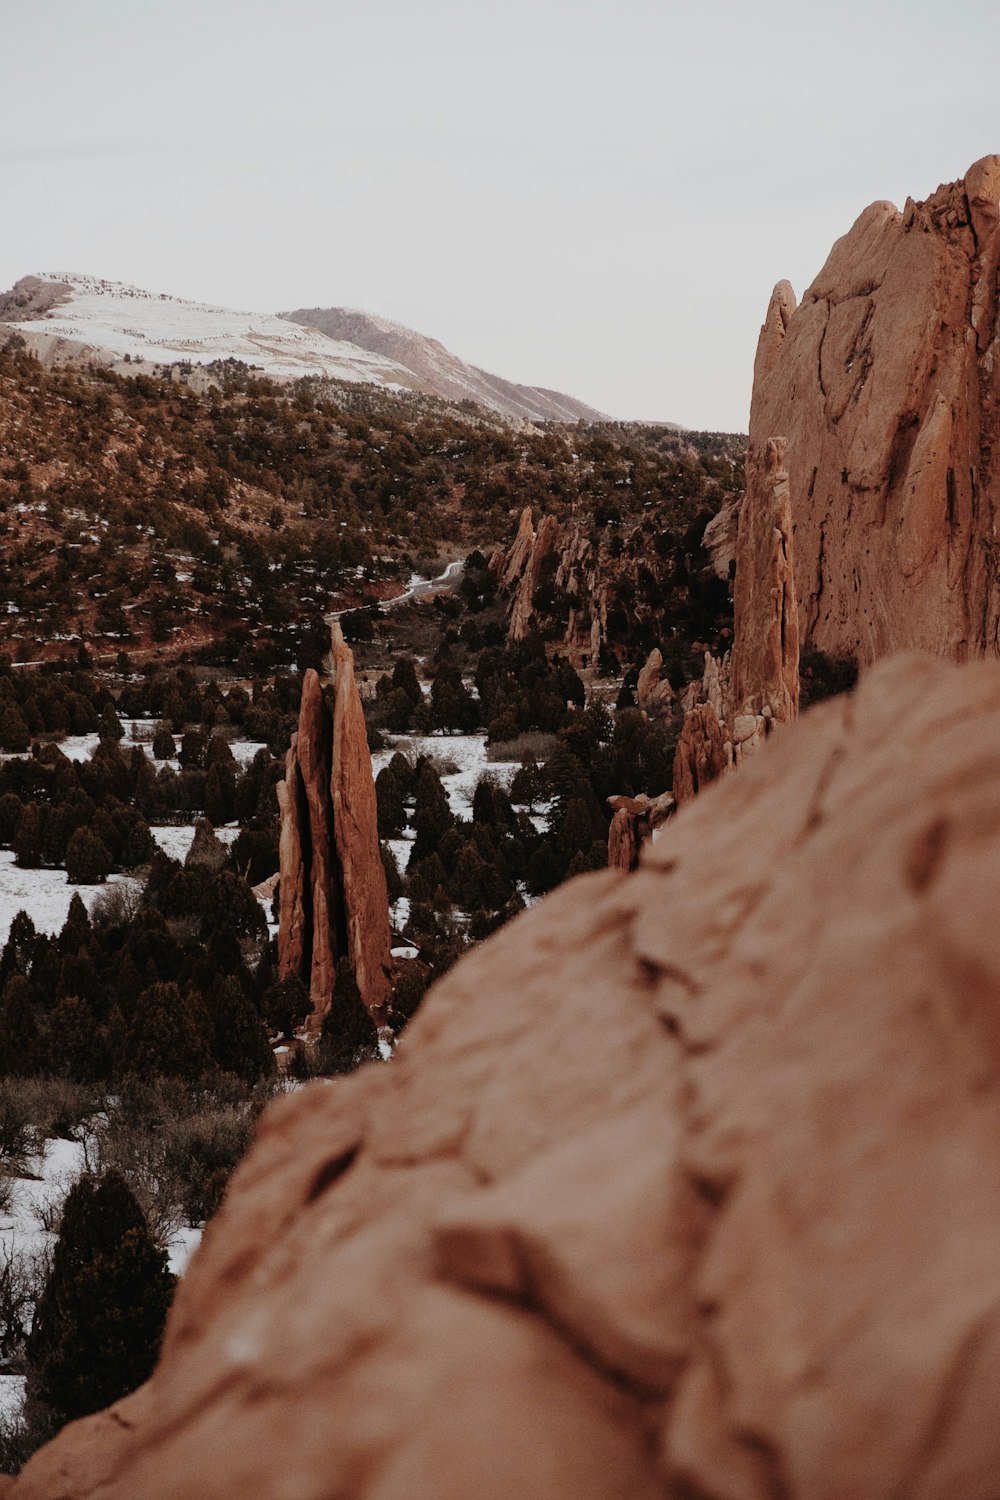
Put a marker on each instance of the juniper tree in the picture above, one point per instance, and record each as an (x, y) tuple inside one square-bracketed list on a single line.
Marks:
[(99, 1321)]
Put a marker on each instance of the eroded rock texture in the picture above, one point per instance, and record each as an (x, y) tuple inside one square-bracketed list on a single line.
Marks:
[(633, 820), (885, 381), (743, 698), (686, 1183), (333, 900), (765, 658)]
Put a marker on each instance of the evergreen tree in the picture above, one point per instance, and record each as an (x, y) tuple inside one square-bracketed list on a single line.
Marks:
[(110, 727), (166, 1036), (28, 837), (432, 817), (241, 1044), (87, 859), (163, 743), (348, 1036), (99, 1322)]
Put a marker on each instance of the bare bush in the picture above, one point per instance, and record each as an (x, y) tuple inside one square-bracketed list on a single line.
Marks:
[(532, 745), (116, 906), (22, 1278)]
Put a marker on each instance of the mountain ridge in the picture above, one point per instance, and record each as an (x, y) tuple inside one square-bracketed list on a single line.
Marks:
[(74, 317), (444, 373)]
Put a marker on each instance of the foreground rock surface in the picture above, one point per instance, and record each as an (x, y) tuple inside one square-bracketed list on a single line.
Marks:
[(886, 380), (685, 1184)]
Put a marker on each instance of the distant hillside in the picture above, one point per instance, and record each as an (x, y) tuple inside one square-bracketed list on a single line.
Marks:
[(69, 317), (437, 371)]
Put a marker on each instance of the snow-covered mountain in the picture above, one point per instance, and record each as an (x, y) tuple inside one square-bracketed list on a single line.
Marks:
[(65, 315), (69, 316), (437, 370)]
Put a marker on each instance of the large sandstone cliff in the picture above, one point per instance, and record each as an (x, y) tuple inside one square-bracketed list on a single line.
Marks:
[(885, 381), (333, 901), (686, 1184)]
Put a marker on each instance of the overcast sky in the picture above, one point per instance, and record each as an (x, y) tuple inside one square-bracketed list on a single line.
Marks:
[(582, 194)]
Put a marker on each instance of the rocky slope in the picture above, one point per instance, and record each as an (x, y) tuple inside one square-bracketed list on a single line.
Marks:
[(885, 381), (437, 371), (685, 1184)]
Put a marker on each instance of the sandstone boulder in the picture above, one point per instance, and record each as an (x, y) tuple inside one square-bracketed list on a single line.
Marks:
[(686, 1183), (885, 381)]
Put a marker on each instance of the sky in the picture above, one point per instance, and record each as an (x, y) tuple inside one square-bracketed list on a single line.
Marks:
[(595, 197)]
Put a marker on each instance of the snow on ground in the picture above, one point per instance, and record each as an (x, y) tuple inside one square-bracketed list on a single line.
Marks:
[(54, 1171), (466, 751), (245, 750), (125, 320), (44, 894), (175, 839), (11, 1395), (181, 1248)]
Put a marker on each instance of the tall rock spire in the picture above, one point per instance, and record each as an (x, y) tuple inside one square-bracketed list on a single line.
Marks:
[(333, 901)]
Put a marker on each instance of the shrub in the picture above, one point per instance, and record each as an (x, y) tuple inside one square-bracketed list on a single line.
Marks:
[(99, 1321), (87, 860)]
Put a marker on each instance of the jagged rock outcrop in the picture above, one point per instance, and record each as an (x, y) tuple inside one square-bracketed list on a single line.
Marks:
[(704, 752), (684, 1184), (333, 901), (633, 820), (522, 611), (742, 699), (764, 662), (720, 535), (885, 380), (355, 828), (653, 692), (511, 565)]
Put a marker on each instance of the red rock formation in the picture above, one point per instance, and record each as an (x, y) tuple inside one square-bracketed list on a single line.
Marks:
[(632, 823), (355, 828), (740, 701), (764, 667), (624, 840), (294, 928), (333, 898), (653, 693), (684, 1184), (704, 752), (523, 607), (511, 565), (886, 382)]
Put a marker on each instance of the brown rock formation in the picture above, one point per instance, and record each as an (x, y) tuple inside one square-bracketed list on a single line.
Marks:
[(333, 898), (886, 382), (355, 828), (685, 1184), (653, 693), (741, 700), (632, 823), (704, 752), (523, 606), (512, 564), (719, 540), (764, 668)]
